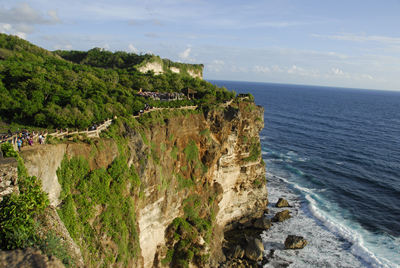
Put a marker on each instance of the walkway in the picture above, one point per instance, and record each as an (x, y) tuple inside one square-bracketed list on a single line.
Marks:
[(89, 133)]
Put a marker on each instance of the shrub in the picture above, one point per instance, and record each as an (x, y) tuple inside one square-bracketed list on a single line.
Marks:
[(8, 150), (191, 151), (174, 153), (17, 214), (255, 150)]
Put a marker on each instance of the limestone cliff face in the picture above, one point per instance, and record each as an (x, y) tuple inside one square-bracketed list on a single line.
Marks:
[(44, 161), (157, 68), (212, 154), (152, 66)]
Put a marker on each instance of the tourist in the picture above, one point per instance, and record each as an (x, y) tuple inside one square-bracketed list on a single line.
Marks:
[(19, 143)]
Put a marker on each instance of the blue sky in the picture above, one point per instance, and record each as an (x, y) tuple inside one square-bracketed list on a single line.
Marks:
[(329, 43)]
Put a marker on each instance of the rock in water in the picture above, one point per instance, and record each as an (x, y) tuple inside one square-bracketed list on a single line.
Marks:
[(282, 203), (254, 250), (281, 216), (262, 223), (295, 242)]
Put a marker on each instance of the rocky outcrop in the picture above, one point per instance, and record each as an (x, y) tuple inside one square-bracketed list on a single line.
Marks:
[(28, 258), (157, 68), (254, 250), (152, 66), (195, 73), (262, 223), (8, 176), (44, 161), (281, 216), (226, 173), (295, 242), (282, 203), (175, 70)]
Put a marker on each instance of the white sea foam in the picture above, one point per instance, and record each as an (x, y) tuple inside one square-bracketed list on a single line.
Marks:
[(357, 248), (332, 242)]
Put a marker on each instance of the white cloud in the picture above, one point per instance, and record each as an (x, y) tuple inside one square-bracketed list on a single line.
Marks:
[(277, 69), (63, 47), (23, 13), (338, 73), (5, 27), (155, 22), (360, 38), (239, 69), (185, 54), (132, 49), (367, 77), (294, 70), (151, 35), (20, 19), (261, 70), (106, 47), (216, 66), (363, 77)]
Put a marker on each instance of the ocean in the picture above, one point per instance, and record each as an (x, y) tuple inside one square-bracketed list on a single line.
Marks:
[(334, 154)]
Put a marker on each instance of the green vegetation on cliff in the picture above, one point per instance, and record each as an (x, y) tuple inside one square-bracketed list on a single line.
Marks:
[(99, 205), (100, 202), (21, 214), (76, 89)]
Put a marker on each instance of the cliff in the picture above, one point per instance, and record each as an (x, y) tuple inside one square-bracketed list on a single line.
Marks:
[(157, 68), (159, 191)]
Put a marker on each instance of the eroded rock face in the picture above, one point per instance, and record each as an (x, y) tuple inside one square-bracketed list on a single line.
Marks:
[(224, 173), (231, 178), (295, 242), (158, 69), (8, 176), (28, 258), (44, 161)]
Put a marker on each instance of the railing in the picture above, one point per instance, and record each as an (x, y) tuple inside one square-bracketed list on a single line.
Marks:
[(62, 134), (89, 133)]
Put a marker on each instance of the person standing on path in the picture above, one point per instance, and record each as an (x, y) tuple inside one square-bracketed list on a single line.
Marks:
[(19, 143)]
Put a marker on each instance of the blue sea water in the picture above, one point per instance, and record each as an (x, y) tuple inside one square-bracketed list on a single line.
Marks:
[(334, 154)]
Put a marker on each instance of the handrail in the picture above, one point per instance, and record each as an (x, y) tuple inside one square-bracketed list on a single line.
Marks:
[(89, 133)]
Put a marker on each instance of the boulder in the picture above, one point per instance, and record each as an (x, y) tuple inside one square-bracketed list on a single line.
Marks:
[(247, 224), (254, 250), (282, 203), (281, 216), (262, 223), (295, 242)]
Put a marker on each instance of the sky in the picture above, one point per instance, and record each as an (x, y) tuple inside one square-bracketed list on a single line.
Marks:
[(352, 43)]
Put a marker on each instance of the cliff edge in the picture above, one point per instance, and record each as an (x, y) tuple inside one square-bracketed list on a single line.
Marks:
[(158, 191)]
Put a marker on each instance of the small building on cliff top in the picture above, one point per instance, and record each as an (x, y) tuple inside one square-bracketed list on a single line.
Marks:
[(189, 92)]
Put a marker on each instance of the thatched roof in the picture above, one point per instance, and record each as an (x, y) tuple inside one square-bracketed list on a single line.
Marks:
[(187, 90)]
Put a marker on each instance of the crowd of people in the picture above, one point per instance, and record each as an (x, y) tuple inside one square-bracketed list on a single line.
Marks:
[(161, 95), (24, 138)]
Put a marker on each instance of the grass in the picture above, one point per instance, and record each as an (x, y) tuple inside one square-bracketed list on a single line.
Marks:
[(174, 153), (255, 150), (82, 191), (191, 151)]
